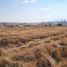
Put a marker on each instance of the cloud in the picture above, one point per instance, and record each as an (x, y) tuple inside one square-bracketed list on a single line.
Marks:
[(28, 1), (46, 9)]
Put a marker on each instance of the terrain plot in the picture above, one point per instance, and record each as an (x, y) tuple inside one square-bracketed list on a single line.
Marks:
[(33, 46)]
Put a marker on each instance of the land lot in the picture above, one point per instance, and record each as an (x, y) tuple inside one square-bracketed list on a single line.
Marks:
[(33, 46)]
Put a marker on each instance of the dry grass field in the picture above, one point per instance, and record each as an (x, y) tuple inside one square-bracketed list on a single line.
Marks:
[(33, 47)]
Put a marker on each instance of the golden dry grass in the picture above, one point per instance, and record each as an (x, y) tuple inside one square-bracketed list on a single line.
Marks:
[(33, 46)]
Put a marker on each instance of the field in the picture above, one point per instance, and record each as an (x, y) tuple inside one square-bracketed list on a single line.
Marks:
[(33, 46)]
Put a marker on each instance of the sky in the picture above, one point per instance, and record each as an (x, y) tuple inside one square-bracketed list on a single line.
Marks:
[(32, 10)]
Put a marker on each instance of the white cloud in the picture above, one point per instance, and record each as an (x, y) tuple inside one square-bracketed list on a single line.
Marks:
[(46, 9), (28, 1)]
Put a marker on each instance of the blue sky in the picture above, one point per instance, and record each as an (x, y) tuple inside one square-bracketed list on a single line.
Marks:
[(32, 10)]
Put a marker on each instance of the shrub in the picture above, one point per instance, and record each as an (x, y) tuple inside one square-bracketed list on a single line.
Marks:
[(6, 61), (3, 42), (38, 54), (24, 40), (25, 58), (43, 62), (56, 54), (59, 24), (63, 64)]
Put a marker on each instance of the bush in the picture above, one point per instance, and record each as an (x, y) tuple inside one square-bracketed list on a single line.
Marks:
[(59, 24), (38, 54), (24, 40), (63, 64), (10, 64), (3, 42), (43, 62), (6, 61), (56, 54), (25, 58)]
